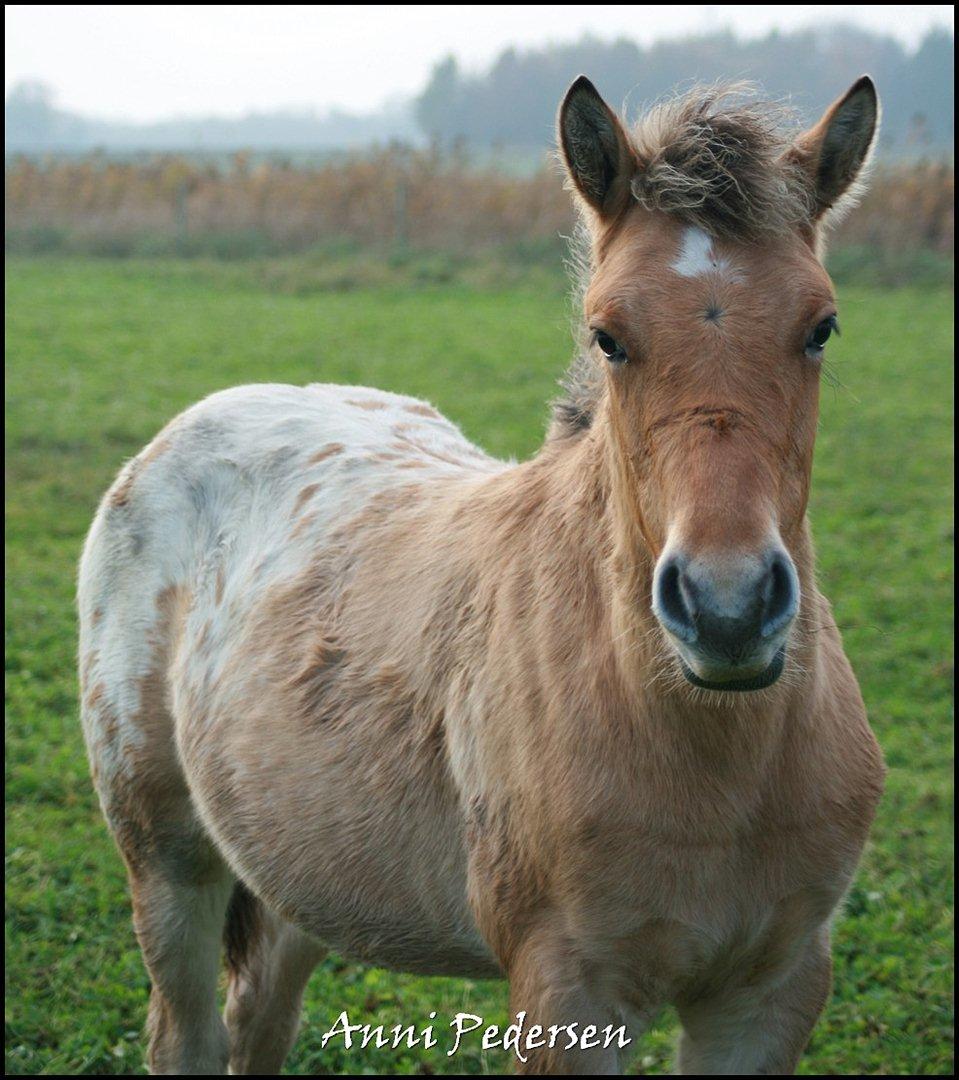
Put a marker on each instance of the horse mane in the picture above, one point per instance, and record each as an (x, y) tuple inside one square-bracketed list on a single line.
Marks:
[(715, 157)]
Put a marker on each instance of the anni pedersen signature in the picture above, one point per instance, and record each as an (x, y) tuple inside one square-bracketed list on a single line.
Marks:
[(520, 1037)]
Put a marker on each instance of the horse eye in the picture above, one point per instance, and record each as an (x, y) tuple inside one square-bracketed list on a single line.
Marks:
[(816, 341), (610, 348)]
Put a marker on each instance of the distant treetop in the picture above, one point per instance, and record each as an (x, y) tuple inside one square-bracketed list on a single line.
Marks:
[(514, 102)]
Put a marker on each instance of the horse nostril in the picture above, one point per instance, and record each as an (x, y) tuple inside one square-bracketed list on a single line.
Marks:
[(781, 595), (672, 601)]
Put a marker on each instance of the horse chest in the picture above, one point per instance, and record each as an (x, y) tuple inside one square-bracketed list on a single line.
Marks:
[(667, 917), (664, 909), (737, 939)]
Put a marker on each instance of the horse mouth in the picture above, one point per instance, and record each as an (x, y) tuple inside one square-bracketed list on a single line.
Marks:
[(739, 686)]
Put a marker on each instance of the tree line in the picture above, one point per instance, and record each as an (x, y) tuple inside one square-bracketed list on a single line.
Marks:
[(512, 104)]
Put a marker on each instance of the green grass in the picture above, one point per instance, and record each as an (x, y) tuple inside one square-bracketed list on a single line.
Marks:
[(101, 353)]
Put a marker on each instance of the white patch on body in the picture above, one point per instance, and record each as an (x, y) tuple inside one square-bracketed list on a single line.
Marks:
[(249, 484), (696, 256)]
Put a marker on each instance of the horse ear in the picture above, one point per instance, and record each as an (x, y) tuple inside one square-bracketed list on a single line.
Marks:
[(836, 150), (596, 149)]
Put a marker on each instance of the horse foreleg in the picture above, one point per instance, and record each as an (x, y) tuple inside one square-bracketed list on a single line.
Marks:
[(751, 1032), (549, 986)]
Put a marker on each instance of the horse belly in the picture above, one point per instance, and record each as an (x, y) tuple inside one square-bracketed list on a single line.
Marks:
[(388, 888), (329, 795), (365, 855)]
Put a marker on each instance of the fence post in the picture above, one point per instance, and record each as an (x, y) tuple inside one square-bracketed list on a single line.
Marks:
[(400, 222), (180, 219)]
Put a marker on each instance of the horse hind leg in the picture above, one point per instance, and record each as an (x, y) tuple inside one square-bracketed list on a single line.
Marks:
[(269, 963), (180, 886), (179, 921), (180, 889)]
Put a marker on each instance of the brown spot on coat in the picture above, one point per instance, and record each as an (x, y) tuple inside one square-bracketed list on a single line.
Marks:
[(95, 696), (121, 491), (328, 451), (156, 449), (423, 410), (304, 497), (303, 525)]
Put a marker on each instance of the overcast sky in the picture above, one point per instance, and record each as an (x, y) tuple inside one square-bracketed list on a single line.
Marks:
[(145, 62)]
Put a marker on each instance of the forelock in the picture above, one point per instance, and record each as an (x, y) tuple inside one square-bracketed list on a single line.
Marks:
[(717, 157)]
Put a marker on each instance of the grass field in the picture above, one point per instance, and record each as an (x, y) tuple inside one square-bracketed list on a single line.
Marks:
[(101, 353)]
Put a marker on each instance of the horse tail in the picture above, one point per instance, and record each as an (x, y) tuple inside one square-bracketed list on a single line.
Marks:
[(243, 926)]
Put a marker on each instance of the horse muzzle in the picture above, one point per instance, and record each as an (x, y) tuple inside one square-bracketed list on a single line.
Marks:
[(728, 617)]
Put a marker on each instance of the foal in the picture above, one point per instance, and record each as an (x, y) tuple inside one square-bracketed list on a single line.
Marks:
[(585, 721)]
